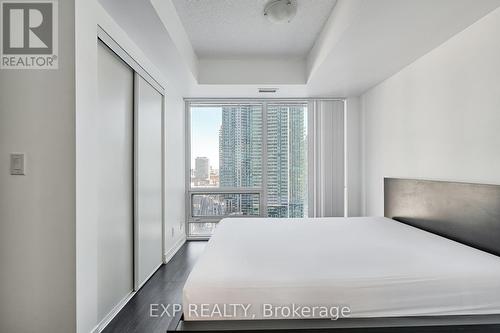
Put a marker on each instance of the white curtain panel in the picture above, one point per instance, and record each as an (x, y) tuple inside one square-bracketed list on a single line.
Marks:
[(326, 158)]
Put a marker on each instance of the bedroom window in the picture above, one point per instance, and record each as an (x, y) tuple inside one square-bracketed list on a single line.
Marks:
[(245, 160)]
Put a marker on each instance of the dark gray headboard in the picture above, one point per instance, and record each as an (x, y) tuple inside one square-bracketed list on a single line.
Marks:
[(466, 213)]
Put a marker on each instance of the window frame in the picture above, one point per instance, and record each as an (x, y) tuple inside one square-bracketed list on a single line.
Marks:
[(262, 190)]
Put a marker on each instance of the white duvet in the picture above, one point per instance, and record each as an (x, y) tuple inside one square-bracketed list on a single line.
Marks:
[(374, 266)]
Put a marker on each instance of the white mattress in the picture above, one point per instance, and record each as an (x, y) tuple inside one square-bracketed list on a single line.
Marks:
[(375, 266)]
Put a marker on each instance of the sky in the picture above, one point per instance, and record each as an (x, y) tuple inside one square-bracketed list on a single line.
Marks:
[(205, 125)]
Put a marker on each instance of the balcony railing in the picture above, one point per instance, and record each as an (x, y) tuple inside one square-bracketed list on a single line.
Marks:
[(207, 206)]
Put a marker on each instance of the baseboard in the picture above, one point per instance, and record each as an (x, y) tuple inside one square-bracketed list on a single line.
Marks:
[(149, 277), (106, 320), (173, 250), (198, 238)]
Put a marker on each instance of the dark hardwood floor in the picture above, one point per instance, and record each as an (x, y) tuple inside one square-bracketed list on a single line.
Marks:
[(164, 287)]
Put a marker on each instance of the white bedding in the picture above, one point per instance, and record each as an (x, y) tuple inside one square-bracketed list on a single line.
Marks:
[(375, 266)]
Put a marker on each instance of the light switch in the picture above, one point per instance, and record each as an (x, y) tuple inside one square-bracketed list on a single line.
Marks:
[(17, 164)]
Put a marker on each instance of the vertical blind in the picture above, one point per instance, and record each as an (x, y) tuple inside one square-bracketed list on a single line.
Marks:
[(326, 158)]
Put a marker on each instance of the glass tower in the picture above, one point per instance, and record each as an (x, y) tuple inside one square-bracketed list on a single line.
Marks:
[(240, 156), (240, 153)]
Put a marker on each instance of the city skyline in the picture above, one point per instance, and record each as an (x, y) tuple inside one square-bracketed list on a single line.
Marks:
[(205, 128), (240, 164)]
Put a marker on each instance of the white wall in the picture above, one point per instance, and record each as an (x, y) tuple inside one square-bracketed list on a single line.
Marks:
[(353, 144), (87, 166), (37, 211), (89, 14), (175, 172), (252, 70), (439, 118)]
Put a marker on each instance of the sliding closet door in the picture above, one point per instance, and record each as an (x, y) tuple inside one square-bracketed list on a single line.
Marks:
[(115, 195), (148, 125)]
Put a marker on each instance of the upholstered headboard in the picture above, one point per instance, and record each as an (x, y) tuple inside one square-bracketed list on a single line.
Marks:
[(466, 213)]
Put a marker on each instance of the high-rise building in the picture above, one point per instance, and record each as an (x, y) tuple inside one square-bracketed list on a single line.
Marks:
[(240, 146), (201, 170), (286, 161), (297, 164), (240, 156)]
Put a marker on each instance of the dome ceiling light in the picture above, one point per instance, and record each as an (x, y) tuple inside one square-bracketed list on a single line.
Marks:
[(280, 11)]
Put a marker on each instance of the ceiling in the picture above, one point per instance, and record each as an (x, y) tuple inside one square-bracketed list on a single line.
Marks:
[(233, 28), (358, 45), (384, 36)]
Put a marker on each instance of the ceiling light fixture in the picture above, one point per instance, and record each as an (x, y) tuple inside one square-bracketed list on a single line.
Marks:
[(280, 11)]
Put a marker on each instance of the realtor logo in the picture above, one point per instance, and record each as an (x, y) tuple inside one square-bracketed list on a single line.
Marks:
[(29, 34)]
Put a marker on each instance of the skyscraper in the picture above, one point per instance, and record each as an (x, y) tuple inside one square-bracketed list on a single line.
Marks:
[(286, 161), (240, 146), (240, 153), (297, 162), (240, 156)]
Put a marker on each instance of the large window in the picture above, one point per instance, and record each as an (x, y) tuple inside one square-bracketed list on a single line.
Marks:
[(246, 160)]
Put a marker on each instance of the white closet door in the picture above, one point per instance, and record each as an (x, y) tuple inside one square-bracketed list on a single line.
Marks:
[(148, 225), (115, 195)]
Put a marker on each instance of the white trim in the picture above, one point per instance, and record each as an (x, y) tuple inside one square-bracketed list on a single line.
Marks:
[(346, 171), (163, 175), (136, 180), (173, 250), (106, 38), (112, 314), (198, 238), (259, 99), (187, 166)]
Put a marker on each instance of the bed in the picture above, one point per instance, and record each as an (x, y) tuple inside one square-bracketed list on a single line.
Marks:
[(433, 259), (375, 266)]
